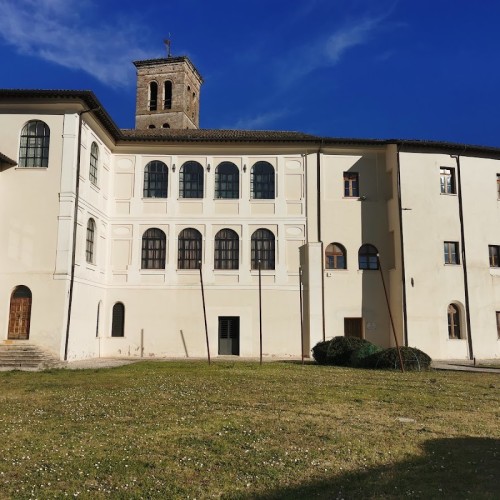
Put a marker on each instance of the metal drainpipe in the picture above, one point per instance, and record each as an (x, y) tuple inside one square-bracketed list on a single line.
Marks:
[(403, 270), (464, 259), (318, 183), (75, 227)]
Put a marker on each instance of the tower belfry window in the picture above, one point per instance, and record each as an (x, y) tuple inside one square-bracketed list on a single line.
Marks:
[(167, 103), (153, 96)]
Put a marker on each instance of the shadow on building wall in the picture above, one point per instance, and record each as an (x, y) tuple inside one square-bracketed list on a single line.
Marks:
[(374, 192)]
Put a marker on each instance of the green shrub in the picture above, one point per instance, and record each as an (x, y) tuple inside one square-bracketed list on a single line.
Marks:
[(358, 355), (413, 359), (319, 352), (339, 350)]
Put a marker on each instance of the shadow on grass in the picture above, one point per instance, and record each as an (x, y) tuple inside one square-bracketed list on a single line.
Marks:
[(449, 468)]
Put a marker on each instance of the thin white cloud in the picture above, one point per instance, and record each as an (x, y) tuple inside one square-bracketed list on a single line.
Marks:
[(259, 121), (329, 50), (55, 31)]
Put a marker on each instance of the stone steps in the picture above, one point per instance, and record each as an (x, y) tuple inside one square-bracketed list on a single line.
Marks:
[(23, 356)]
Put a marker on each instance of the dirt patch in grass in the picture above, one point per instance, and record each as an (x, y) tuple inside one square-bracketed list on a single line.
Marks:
[(240, 430)]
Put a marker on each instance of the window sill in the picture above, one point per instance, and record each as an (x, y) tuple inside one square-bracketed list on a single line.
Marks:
[(225, 200), (32, 168), (451, 264), (96, 188), (448, 194), (152, 198), (152, 271)]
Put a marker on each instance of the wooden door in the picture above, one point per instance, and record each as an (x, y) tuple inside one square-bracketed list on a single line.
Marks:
[(353, 327), (20, 314)]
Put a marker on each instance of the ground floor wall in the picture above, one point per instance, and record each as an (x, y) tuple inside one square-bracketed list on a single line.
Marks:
[(169, 322), (47, 316), (356, 298)]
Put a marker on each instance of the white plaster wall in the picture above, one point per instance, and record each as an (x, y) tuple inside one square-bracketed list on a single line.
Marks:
[(29, 225), (429, 219), (352, 223), (482, 228)]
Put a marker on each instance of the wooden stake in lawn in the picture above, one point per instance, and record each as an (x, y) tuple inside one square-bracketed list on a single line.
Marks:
[(204, 310), (301, 317), (260, 312), (390, 315)]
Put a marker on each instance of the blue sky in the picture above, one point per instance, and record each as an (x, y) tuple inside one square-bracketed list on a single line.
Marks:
[(343, 68)]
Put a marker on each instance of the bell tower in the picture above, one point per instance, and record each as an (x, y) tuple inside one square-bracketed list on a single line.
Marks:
[(168, 93)]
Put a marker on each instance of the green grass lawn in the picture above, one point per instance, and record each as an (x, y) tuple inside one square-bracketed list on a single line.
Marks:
[(240, 430)]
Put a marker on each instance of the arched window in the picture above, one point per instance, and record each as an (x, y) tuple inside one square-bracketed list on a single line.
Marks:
[(155, 180), (191, 180), (367, 257), (167, 103), (227, 181), (453, 322), (262, 181), (20, 313), (89, 249), (118, 322), (154, 243), (151, 126), (227, 250), (165, 125), (189, 249), (34, 146), (153, 96), (263, 249), (335, 256), (94, 162)]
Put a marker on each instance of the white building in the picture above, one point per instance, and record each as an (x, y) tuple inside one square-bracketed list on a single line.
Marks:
[(103, 231)]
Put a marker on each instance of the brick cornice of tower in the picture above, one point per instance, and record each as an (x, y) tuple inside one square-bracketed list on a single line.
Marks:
[(169, 60)]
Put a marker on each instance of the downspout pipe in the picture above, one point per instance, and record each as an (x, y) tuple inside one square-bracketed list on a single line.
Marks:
[(464, 255), (402, 246), (75, 228), (318, 184)]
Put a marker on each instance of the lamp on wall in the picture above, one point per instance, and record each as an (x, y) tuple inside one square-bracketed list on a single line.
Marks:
[(244, 168), (208, 167), (173, 167)]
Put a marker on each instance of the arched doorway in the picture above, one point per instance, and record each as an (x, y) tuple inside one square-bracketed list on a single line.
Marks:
[(20, 313)]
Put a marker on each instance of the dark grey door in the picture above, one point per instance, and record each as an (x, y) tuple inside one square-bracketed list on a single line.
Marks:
[(229, 335)]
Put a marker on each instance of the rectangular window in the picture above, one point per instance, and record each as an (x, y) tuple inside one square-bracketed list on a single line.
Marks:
[(494, 251), (351, 185), (447, 181), (498, 186), (451, 255), (498, 323)]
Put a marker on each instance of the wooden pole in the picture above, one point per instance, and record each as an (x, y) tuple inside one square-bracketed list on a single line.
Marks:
[(390, 314), (260, 312), (204, 311), (301, 317)]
